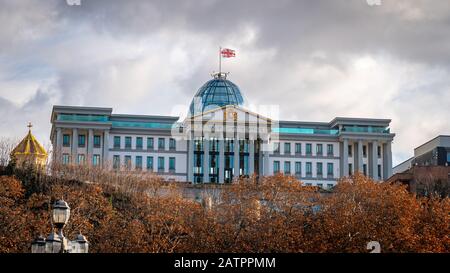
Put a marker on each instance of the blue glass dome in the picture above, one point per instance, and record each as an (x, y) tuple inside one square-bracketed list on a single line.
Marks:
[(216, 93)]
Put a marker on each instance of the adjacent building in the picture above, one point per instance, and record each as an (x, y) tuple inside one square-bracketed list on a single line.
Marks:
[(220, 139)]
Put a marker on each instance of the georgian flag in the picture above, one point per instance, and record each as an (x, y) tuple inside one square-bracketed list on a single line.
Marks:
[(228, 53)]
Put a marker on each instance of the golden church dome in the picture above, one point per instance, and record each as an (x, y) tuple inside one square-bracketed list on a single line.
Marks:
[(29, 150)]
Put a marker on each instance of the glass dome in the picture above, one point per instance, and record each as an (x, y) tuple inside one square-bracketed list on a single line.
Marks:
[(216, 93)]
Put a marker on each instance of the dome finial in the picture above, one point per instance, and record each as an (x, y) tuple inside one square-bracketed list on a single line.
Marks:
[(220, 75), (29, 126)]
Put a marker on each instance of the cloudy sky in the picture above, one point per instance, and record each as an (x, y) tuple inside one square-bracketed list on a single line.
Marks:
[(315, 59)]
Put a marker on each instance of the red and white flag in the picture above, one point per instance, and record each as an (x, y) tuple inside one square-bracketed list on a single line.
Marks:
[(228, 53)]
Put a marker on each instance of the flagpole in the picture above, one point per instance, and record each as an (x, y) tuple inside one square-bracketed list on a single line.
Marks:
[(220, 60)]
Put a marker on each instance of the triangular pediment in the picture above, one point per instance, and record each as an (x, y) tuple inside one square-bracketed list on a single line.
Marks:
[(229, 113)]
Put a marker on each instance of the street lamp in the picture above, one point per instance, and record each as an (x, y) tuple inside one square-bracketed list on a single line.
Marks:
[(56, 242)]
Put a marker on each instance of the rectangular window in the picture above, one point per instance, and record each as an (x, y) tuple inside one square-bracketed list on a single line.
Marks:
[(276, 147), (330, 169), (330, 151), (128, 142), (81, 159), (116, 162), (172, 144), (350, 169), (308, 148), (308, 168), (117, 142), (364, 151), (287, 167), (276, 166), (96, 160), (139, 142), (330, 186), (65, 159), (161, 143), (149, 163), (138, 162), (128, 162), (172, 164), (150, 143), (298, 148), (66, 140), (320, 185), (350, 152), (448, 157), (287, 148), (308, 184), (379, 171), (379, 151), (96, 141), (319, 170), (298, 168), (319, 149), (365, 169), (81, 140), (160, 164)]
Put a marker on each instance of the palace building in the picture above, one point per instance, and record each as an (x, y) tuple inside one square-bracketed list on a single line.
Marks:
[(220, 140)]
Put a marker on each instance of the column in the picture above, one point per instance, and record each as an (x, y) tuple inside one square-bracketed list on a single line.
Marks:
[(90, 145), (190, 170), (74, 145), (105, 147), (236, 157), (374, 160), (345, 158), (387, 160), (360, 156), (221, 160), (58, 145), (266, 159), (206, 160), (251, 157)]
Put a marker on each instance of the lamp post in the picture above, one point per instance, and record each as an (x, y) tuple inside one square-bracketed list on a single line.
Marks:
[(56, 242)]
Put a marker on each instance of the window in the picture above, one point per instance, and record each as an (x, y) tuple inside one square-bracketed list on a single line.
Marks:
[(276, 147), (161, 164), (150, 143), (320, 185), (276, 166), (172, 144), (139, 143), (330, 186), (364, 151), (149, 163), (96, 141), (298, 148), (330, 169), (65, 159), (350, 169), (117, 142), (81, 159), (161, 143), (298, 168), (365, 169), (350, 152), (308, 148), (379, 171), (308, 168), (66, 140), (116, 162), (81, 140), (319, 170), (287, 148), (138, 162), (128, 142), (96, 160), (128, 162), (287, 167), (319, 149), (172, 164), (448, 157), (308, 184), (330, 149), (379, 151)]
